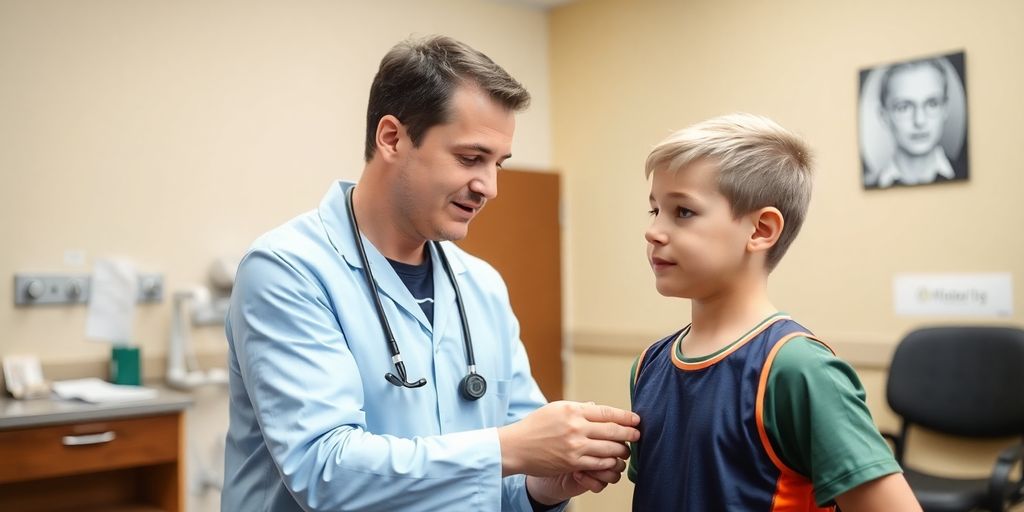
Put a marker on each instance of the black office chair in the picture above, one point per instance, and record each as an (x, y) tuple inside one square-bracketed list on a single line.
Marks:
[(963, 381)]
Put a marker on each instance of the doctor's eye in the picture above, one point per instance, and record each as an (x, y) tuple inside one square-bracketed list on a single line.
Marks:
[(468, 161)]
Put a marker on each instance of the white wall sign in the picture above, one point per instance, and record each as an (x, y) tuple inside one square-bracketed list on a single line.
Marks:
[(953, 294)]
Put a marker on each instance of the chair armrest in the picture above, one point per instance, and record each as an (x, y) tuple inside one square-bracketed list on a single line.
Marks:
[(897, 445), (1000, 489)]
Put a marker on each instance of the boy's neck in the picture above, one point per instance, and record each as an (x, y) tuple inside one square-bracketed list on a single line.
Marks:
[(723, 318)]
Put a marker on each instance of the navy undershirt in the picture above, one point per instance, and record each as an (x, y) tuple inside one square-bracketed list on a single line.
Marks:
[(419, 279)]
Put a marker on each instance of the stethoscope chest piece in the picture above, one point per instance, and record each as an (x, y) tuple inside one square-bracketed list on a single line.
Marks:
[(473, 386)]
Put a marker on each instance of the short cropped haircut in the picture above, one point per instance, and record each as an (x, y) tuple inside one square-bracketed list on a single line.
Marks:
[(418, 77), (883, 94), (759, 164)]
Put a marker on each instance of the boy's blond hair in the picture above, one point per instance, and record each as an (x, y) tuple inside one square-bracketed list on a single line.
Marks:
[(759, 164)]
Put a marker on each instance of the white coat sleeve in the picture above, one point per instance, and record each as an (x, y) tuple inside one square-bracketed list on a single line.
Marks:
[(308, 399)]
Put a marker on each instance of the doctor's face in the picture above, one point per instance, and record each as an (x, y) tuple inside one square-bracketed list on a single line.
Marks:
[(916, 108), (445, 182)]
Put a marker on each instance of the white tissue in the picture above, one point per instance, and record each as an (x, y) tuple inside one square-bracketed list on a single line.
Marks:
[(112, 295)]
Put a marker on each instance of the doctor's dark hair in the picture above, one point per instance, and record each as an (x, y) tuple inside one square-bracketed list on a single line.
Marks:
[(759, 164), (418, 77)]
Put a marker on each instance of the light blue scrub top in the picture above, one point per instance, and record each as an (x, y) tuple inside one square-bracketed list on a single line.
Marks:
[(313, 423)]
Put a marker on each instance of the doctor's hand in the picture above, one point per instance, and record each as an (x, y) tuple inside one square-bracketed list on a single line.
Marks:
[(550, 490), (565, 437)]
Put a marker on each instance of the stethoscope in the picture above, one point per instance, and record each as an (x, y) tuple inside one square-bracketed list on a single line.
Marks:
[(473, 385)]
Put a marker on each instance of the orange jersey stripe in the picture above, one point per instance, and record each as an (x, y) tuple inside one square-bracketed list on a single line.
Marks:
[(793, 491)]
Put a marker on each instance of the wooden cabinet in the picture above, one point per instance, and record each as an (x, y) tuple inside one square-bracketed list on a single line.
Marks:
[(119, 464)]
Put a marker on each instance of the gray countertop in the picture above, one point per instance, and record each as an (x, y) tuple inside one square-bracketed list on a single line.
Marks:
[(53, 411)]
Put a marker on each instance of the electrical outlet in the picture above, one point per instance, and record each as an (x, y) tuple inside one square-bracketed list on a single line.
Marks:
[(59, 289)]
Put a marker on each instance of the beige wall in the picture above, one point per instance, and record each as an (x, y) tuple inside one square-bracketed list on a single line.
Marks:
[(625, 74), (176, 132)]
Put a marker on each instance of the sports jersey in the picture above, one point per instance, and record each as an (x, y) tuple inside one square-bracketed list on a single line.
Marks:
[(774, 421)]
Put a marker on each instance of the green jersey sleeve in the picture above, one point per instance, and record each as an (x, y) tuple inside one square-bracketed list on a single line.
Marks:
[(818, 421)]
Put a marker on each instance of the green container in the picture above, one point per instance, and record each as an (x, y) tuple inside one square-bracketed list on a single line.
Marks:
[(125, 367)]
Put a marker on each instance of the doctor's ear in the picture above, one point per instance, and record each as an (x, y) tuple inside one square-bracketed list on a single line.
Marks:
[(767, 223), (390, 132)]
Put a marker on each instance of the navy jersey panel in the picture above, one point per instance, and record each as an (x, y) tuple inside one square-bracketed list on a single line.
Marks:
[(700, 448)]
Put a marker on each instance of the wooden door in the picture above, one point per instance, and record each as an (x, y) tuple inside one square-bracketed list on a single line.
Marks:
[(519, 234)]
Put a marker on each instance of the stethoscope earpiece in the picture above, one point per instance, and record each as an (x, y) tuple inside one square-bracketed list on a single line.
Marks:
[(390, 377), (402, 380), (473, 385)]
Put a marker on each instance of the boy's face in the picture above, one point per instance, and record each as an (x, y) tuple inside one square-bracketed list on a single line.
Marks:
[(694, 244)]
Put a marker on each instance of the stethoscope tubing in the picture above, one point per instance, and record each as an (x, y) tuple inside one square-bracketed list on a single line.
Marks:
[(402, 379)]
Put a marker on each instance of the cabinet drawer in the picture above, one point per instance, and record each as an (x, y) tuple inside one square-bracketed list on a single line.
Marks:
[(87, 447)]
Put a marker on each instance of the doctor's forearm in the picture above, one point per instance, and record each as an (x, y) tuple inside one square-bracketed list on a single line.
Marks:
[(349, 469)]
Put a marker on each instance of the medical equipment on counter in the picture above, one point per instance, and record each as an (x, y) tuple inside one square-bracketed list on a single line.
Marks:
[(473, 386), (192, 306)]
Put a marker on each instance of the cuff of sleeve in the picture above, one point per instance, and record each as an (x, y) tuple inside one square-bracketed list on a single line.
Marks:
[(827, 492), (537, 506), (485, 453), (520, 500)]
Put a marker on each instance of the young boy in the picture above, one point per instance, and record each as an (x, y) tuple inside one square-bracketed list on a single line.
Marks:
[(744, 409)]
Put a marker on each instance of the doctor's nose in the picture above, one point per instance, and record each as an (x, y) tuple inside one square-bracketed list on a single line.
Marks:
[(486, 184)]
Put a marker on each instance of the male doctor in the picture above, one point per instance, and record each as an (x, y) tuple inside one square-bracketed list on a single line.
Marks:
[(458, 423)]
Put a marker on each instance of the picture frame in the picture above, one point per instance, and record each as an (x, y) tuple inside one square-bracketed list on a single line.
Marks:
[(912, 122)]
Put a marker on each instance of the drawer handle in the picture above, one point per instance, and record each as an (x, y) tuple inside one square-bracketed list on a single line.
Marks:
[(88, 439)]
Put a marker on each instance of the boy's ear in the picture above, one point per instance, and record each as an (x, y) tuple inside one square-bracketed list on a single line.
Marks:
[(768, 223), (389, 132)]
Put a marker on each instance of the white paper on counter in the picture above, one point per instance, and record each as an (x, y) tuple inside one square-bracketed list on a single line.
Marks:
[(112, 295), (97, 391)]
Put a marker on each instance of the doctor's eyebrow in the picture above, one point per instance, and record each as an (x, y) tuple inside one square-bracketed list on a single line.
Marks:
[(480, 148)]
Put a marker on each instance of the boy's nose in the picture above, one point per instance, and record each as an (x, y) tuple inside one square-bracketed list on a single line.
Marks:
[(654, 236)]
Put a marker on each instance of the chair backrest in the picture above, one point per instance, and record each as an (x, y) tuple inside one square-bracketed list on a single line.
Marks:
[(966, 381)]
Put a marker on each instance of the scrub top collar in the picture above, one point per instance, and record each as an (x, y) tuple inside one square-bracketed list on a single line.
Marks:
[(335, 218)]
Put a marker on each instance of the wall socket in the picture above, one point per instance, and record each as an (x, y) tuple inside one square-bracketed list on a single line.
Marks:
[(58, 289)]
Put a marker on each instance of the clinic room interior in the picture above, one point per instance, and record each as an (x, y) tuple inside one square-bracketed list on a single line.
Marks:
[(162, 138)]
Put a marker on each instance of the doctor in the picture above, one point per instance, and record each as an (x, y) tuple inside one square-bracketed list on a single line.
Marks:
[(327, 411)]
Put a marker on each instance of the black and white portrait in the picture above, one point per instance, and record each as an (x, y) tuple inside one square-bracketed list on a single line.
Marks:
[(913, 122)]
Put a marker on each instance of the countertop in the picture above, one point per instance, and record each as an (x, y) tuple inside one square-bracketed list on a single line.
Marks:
[(51, 411)]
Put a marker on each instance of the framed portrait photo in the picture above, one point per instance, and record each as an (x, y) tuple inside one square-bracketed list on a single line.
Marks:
[(912, 121)]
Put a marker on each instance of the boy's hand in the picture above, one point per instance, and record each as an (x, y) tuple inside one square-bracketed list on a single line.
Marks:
[(556, 489), (563, 437)]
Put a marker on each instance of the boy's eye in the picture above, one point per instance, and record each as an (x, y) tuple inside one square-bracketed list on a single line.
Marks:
[(468, 160), (685, 213), (653, 211)]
